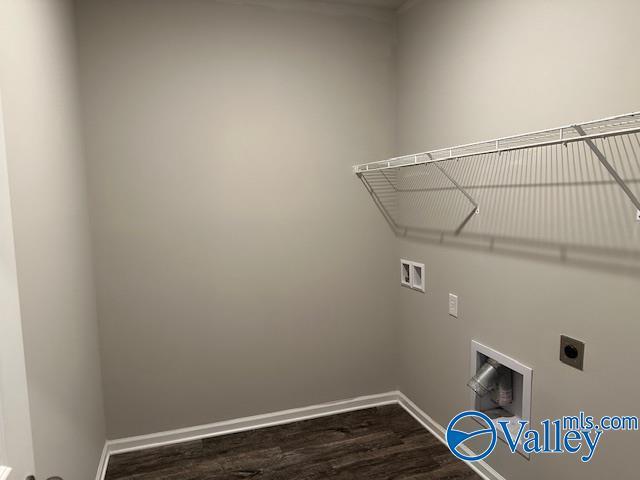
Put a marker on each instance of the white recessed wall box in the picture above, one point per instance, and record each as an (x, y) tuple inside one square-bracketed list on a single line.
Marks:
[(412, 275), (509, 398), (417, 276), (405, 273)]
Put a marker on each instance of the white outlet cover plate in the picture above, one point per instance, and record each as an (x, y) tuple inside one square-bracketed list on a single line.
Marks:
[(453, 305)]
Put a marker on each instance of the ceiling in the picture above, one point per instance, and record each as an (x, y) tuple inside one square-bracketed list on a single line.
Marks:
[(373, 3)]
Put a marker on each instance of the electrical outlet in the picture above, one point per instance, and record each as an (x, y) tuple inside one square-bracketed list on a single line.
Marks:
[(453, 305), (572, 352), (638, 216)]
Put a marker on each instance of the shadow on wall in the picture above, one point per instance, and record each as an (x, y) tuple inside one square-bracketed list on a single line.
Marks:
[(554, 203)]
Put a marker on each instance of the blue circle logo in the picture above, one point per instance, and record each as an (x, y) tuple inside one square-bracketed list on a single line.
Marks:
[(457, 438)]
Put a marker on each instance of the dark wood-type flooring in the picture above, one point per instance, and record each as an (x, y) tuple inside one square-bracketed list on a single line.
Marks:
[(373, 444)]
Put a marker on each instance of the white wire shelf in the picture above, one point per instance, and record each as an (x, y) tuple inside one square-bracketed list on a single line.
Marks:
[(587, 132), (606, 127)]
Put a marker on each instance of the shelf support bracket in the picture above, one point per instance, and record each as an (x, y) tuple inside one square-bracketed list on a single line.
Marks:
[(387, 216), (612, 171), (475, 209)]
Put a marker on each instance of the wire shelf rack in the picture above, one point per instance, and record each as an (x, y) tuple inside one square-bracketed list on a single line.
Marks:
[(579, 132), (573, 186)]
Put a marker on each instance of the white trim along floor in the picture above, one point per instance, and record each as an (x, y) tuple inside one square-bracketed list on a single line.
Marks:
[(113, 447)]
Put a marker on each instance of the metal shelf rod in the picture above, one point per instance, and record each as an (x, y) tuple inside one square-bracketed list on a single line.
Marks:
[(559, 133)]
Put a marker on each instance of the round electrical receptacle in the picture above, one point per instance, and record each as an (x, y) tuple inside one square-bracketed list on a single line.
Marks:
[(570, 351)]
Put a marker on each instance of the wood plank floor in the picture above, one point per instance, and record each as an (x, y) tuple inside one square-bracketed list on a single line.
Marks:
[(374, 444)]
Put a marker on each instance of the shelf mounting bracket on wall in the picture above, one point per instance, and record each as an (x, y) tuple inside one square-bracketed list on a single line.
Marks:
[(394, 226), (610, 168), (473, 211)]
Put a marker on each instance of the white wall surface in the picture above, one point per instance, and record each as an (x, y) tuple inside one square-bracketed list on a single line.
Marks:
[(475, 70), (52, 245), (16, 444), (241, 268)]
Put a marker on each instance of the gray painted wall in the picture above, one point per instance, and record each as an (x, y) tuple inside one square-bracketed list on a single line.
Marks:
[(471, 71), (52, 245), (241, 268), (16, 443)]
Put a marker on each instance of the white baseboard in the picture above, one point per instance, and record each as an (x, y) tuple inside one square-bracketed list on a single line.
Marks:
[(130, 444), (249, 423), (4, 472), (104, 460), (481, 467), (142, 442)]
